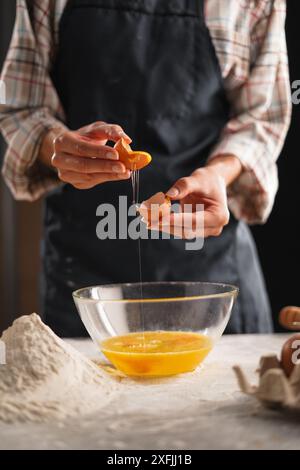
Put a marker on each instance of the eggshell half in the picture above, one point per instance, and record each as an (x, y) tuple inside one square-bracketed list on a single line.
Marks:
[(156, 207)]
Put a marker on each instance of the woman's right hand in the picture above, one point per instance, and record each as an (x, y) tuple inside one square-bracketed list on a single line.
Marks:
[(83, 159)]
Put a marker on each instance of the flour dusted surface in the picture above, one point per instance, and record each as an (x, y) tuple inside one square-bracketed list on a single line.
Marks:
[(45, 378)]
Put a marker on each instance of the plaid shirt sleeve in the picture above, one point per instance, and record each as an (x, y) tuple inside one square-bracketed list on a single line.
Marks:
[(255, 69), (250, 45), (31, 104)]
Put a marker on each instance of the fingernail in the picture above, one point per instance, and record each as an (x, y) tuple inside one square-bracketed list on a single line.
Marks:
[(125, 136), (173, 192), (118, 169), (112, 155), (122, 134)]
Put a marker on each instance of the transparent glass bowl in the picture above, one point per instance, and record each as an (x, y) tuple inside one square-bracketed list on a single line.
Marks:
[(162, 328)]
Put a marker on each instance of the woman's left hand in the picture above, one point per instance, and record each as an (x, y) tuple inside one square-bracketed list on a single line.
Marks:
[(207, 187)]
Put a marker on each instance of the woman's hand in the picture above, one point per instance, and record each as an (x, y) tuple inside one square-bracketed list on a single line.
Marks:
[(206, 186), (82, 157)]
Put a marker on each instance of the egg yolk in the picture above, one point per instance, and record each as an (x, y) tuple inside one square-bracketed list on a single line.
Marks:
[(156, 353)]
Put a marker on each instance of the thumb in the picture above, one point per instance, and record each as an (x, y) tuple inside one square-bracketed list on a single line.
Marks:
[(182, 188), (104, 131)]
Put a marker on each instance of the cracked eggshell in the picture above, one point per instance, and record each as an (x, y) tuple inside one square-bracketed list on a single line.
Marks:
[(132, 159), (156, 207)]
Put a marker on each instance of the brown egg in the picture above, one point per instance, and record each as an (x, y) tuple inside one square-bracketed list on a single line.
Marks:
[(289, 317), (290, 353)]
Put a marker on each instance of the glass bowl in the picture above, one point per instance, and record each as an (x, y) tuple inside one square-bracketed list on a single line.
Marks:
[(157, 328)]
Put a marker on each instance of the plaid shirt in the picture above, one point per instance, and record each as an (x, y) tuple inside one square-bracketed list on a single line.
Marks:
[(249, 39)]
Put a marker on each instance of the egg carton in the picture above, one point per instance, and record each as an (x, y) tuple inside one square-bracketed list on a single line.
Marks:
[(274, 390)]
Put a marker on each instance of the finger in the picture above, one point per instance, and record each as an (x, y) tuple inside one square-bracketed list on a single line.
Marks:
[(181, 232), (155, 212), (208, 219), (189, 225), (185, 233), (64, 161), (109, 177), (186, 219), (74, 144), (217, 218), (73, 177), (102, 130), (191, 221), (183, 187), (90, 180)]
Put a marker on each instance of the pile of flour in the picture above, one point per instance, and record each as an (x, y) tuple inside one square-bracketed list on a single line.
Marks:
[(45, 378)]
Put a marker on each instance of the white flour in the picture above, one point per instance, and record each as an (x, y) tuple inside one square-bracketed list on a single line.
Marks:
[(45, 378)]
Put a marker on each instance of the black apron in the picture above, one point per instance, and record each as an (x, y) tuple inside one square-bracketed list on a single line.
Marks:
[(150, 66)]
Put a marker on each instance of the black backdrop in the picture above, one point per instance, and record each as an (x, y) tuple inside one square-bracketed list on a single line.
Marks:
[(278, 240)]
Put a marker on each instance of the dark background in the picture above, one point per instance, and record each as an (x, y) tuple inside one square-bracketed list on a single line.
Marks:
[(278, 241)]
